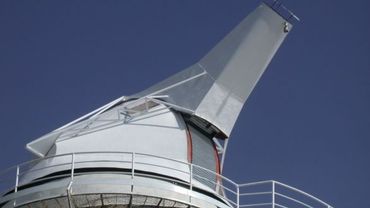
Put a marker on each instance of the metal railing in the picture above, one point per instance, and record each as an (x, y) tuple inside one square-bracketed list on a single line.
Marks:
[(257, 194)]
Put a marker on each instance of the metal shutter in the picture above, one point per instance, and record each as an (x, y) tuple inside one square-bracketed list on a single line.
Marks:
[(204, 156)]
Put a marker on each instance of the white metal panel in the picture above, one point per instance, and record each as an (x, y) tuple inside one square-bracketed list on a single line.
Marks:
[(160, 132), (203, 155), (217, 87), (214, 89)]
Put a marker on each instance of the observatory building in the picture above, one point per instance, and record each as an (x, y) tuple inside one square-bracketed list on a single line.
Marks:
[(164, 146)]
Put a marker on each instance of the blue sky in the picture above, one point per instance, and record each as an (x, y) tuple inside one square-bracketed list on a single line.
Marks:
[(307, 123)]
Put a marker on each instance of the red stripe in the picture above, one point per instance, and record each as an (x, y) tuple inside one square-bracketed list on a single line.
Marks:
[(217, 157), (190, 144)]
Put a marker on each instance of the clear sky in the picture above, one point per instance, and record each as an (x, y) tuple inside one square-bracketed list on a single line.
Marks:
[(306, 124)]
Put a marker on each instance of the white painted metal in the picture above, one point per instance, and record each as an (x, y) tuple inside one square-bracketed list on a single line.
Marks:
[(224, 155), (41, 146), (228, 72), (139, 146), (219, 83), (273, 194), (204, 155), (231, 193)]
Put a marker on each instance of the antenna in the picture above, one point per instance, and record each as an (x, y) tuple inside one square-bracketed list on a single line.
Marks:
[(164, 146), (279, 8)]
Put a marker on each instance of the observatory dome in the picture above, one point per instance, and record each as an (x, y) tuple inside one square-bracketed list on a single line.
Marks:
[(164, 146)]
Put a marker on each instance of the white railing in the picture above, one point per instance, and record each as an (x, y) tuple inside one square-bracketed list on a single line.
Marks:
[(262, 194)]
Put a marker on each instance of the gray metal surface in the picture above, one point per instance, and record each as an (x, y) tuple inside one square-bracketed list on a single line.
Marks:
[(204, 155), (107, 201), (213, 90), (92, 185), (156, 131), (216, 88), (192, 191), (149, 131), (134, 152)]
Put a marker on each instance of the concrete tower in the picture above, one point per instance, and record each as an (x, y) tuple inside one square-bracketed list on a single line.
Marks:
[(163, 147)]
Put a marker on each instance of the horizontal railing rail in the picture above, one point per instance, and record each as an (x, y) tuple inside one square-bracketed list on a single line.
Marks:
[(256, 194)]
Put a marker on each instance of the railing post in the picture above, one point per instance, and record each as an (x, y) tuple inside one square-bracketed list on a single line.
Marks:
[(69, 195), (238, 196), (16, 179), (132, 170), (273, 194), (16, 184), (133, 165), (73, 166), (191, 177), (191, 180), (146, 104)]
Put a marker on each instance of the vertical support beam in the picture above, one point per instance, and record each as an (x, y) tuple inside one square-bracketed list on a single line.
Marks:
[(130, 202), (69, 199), (273, 194), (223, 155), (101, 200), (159, 203)]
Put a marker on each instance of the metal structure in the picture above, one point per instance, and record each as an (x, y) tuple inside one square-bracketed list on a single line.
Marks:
[(226, 193), (165, 146)]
